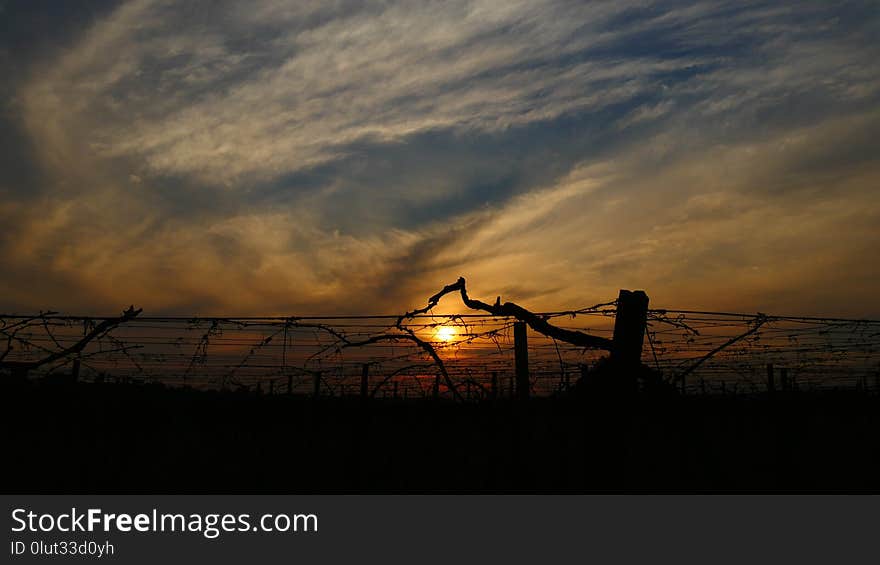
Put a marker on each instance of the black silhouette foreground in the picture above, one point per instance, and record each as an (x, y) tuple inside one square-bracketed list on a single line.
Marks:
[(621, 373), (608, 434)]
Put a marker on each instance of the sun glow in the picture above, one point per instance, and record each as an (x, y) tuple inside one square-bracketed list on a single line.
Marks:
[(445, 333)]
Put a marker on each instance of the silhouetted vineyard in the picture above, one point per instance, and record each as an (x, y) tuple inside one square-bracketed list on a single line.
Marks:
[(436, 403), (315, 355)]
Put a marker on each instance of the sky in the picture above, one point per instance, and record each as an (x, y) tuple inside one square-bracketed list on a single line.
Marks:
[(321, 157)]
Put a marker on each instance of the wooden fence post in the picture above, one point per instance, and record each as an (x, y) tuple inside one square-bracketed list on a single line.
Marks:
[(783, 379), (521, 360), (771, 384), (316, 384), (365, 380), (74, 372), (585, 374), (629, 327), (436, 386)]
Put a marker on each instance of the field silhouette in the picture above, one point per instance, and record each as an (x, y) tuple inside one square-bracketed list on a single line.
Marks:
[(83, 437), (615, 397)]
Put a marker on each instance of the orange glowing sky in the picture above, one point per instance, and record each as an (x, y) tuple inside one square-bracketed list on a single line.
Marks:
[(315, 158)]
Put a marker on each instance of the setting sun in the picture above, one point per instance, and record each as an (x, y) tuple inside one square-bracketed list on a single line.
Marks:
[(445, 333)]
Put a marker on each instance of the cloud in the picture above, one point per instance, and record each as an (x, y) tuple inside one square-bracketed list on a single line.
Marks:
[(709, 228), (192, 104), (268, 157)]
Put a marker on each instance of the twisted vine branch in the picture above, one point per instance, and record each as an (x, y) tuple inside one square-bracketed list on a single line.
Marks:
[(537, 323), (96, 332), (759, 321)]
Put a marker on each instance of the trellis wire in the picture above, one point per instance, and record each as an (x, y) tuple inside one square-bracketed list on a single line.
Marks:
[(267, 353)]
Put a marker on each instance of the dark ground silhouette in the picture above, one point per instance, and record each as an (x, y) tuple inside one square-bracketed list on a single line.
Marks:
[(83, 437)]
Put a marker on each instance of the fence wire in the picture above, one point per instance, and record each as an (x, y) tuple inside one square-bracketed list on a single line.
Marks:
[(701, 352)]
